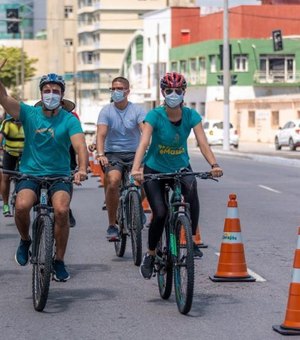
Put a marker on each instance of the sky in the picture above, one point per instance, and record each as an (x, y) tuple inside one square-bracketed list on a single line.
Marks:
[(231, 3)]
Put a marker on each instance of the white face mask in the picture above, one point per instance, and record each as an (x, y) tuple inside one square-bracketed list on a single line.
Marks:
[(173, 100), (51, 100)]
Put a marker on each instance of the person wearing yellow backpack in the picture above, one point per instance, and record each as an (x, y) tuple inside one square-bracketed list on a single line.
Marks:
[(12, 140)]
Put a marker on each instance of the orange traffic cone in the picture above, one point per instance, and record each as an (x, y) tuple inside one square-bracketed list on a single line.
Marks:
[(198, 240), (146, 206), (232, 264), (91, 161), (291, 324)]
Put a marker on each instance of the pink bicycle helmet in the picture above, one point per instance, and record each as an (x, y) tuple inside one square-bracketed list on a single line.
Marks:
[(173, 80)]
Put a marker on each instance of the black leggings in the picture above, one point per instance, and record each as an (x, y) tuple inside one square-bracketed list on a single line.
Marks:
[(155, 191)]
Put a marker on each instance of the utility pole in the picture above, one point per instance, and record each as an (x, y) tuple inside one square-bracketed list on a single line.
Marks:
[(226, 77), (157, 69), (22, 64)]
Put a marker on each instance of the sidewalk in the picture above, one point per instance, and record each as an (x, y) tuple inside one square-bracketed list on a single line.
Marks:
[(262, 152)]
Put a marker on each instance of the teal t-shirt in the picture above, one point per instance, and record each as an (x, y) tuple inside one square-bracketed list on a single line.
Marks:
[(168, 149), (47, 141)]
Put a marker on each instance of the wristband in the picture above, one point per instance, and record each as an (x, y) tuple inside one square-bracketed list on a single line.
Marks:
[(216, 165)]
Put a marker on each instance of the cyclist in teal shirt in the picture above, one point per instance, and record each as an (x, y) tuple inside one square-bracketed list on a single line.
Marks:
[(167, 129), (49, 132)]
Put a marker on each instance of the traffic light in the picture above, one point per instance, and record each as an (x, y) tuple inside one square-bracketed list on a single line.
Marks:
[(12, 25), (277, 40), (220, 79), (221, 57), (233, 79)]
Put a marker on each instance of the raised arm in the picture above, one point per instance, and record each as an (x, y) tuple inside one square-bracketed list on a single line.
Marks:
[(9, 104)]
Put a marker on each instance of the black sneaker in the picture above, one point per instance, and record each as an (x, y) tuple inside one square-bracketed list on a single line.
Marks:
[(60, 273), (72, 219), (147, 266), (23, 253), (112, 233), (197, 251)]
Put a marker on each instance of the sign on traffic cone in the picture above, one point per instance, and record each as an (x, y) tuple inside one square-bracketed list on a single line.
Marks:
[(291, 324), (232, 264)]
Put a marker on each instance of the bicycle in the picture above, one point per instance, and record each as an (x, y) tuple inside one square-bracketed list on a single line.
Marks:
[(43, 247), (129, 215), (174, 253)]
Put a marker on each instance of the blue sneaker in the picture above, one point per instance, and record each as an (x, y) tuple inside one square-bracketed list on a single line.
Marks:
[(60, 273), (112, 233), (23, 253)]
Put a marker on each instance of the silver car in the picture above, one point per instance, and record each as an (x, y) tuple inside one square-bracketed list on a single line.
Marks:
[(288, 135)]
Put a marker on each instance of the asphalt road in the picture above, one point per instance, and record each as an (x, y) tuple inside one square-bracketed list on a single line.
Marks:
[(106, 297)]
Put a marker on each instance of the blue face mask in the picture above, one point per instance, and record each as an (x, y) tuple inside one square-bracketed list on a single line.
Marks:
[(173, 100), (51, 100), (117, 96)]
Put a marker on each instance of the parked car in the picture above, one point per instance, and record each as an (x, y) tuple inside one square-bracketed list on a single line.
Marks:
[(89, 128), (214, 133), (288, 135)]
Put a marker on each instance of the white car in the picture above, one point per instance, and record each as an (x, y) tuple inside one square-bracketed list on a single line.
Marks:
[(89, 128), (214, 133), (289, 135)]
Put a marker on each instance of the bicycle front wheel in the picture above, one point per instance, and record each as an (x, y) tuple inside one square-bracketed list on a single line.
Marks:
[(42, 259), (120, 245), (164, 266), (135, 225), (183, 265)]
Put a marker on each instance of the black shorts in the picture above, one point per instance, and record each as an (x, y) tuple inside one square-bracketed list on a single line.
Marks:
[(10, 162), (118, 156), (34, 186)]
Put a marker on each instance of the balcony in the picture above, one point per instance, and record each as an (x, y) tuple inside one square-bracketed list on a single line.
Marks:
[(277, 77)]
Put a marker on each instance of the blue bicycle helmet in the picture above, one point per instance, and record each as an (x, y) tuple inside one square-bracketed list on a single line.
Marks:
[(52, 78)]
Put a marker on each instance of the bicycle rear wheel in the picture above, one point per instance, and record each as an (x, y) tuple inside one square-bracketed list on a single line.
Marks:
[(164, 266), (135, 225), (183, 265), (120, 245), (42, 259)]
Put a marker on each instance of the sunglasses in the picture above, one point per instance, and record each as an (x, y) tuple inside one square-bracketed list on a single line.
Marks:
[(117, 88), (177, 91)]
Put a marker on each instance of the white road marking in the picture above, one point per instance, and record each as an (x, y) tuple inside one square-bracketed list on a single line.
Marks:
[(270, 189), (252, 273)]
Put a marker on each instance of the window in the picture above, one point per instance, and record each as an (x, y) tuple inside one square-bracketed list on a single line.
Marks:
[(213, 63), (185, 36), (68, 12), (241, 63), (251, 119), (68, 42), (174, 66), (277, 68), (182, 66), (202, 65), (275, 119), (193, 65), (193, 105)]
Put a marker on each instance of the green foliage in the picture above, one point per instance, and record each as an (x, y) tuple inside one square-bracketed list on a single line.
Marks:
[(11, 72)]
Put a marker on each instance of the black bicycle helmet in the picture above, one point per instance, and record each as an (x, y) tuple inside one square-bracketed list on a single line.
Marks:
[(52, 78)]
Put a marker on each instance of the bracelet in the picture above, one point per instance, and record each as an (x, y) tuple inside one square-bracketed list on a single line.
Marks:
[(99, 155), (216, 165)]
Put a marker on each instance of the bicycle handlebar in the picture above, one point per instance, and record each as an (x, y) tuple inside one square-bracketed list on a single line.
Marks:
[(172, 175)]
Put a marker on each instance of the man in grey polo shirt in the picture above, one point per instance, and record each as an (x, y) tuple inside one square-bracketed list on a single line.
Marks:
[(119, 128)]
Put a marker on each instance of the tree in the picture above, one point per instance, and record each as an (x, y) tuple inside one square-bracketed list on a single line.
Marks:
[(11, 72)]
